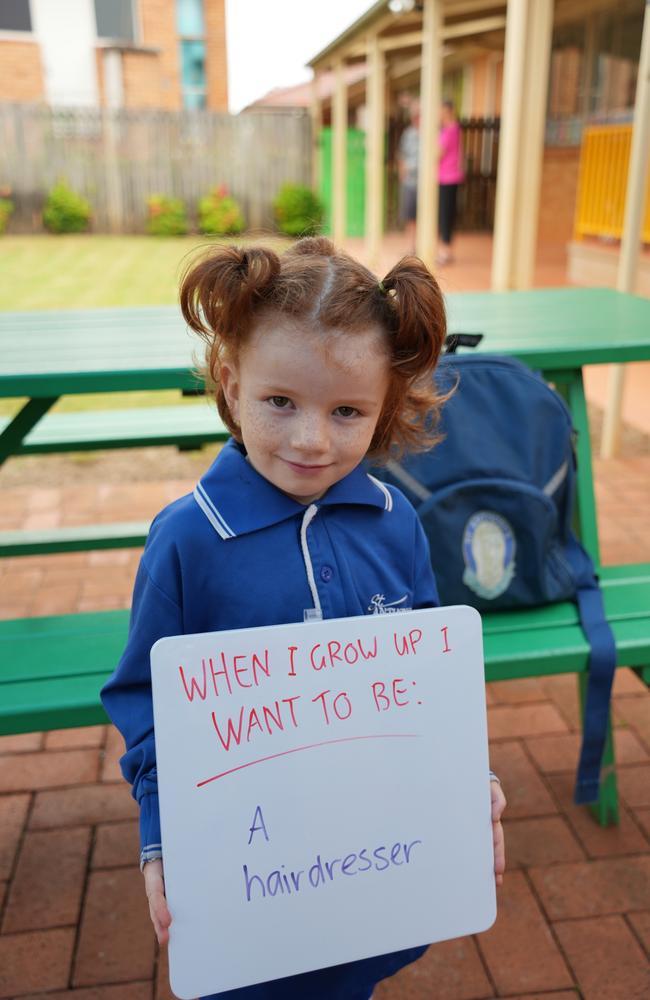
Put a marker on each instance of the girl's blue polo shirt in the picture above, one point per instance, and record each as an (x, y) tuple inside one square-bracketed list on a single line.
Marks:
[(238, 553)]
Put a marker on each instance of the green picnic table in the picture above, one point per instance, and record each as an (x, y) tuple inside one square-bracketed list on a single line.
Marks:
[(53, 667), (47, 355)]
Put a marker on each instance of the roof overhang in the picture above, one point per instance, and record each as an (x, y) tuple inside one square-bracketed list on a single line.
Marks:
[(465, 22)]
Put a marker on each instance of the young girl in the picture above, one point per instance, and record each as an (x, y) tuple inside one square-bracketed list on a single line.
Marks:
[(315, 365)]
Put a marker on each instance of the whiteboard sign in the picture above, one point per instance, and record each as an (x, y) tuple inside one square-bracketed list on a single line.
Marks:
[(324, 793)]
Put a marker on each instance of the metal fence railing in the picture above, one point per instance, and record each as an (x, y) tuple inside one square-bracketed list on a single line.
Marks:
[(477, 195), (602, 183)]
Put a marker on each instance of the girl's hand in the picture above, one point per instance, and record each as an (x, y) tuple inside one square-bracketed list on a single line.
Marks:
[(154, 884), (498, 805)]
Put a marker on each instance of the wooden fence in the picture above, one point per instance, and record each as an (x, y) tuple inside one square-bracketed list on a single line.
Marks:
[(117, 159)]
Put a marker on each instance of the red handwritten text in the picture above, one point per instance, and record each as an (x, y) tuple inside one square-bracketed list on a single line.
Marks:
[(224, 676), (254, 720), (341, 705), (327, 656), (405, 644), (383, 701)]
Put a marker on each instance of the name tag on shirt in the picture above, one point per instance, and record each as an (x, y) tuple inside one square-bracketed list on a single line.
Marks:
[(324, 793)]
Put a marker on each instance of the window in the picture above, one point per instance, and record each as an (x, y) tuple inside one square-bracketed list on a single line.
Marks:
[(193, 73), (594, 66), (15, 15), (618, 43), (189, 18), (115, 19), (191, 31)]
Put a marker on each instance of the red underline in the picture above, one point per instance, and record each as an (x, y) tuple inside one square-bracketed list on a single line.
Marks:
[(311, 746)]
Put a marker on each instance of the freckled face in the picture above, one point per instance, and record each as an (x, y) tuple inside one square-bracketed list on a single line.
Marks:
[(307, 402)]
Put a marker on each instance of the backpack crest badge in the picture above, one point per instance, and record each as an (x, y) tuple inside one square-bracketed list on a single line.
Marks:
[(489, 552)]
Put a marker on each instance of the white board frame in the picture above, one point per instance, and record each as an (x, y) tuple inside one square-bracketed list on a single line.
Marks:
[(411, 769)]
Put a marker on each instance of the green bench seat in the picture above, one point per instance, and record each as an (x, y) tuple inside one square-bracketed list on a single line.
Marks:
[(540, 635), (188, 426), (184, 426), (84, 538), (51, 669)]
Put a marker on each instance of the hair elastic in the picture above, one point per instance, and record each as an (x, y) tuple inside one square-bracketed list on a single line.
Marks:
[(382, 288)]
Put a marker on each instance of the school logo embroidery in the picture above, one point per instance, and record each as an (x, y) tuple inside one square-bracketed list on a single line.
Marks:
[(378, 605), (489, 548)]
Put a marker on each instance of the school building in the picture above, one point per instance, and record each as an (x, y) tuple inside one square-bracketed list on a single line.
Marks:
[(166, 54), (572, 68)]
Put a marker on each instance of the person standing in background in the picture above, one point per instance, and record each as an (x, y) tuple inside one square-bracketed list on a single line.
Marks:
[(407, 171), (450, 175)]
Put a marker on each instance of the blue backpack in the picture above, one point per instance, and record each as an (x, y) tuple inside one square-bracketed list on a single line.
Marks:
[(495, 497)]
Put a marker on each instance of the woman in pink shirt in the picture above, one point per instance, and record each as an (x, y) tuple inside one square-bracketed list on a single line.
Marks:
[(450, 175)]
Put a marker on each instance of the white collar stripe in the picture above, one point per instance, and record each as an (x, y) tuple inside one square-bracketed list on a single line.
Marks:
[(388, 499), (226, 527), (308, 516), (214, 521)]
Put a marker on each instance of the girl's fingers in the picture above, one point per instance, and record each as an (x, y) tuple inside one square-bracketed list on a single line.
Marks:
[(499, 849), (158, 909), (499, 852), (498, 805), (158, 906), (498, 801), (160, 916)]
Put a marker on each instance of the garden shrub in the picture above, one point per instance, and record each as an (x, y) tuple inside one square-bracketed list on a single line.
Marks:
[(65, 211), (166, 216), (220, 214), (6, 208), (298, 211)]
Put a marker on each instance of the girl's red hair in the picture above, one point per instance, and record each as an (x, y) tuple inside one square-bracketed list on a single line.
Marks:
[(224, 295)]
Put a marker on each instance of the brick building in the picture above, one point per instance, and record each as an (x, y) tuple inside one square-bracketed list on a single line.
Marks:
[(168, 54)]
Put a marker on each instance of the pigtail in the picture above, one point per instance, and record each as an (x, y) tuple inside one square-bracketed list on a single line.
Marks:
[(413, 304), (219, 293), (421, 325), (218, 297)]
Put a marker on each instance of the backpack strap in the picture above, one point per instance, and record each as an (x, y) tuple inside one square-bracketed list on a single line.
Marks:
[(454, 340), (602, 664)]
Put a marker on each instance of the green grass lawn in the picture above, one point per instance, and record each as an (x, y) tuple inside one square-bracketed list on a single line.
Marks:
[(80, 272), (84, 272)]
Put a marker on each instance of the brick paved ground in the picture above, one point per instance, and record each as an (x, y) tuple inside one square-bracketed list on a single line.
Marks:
[(574, 912)]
